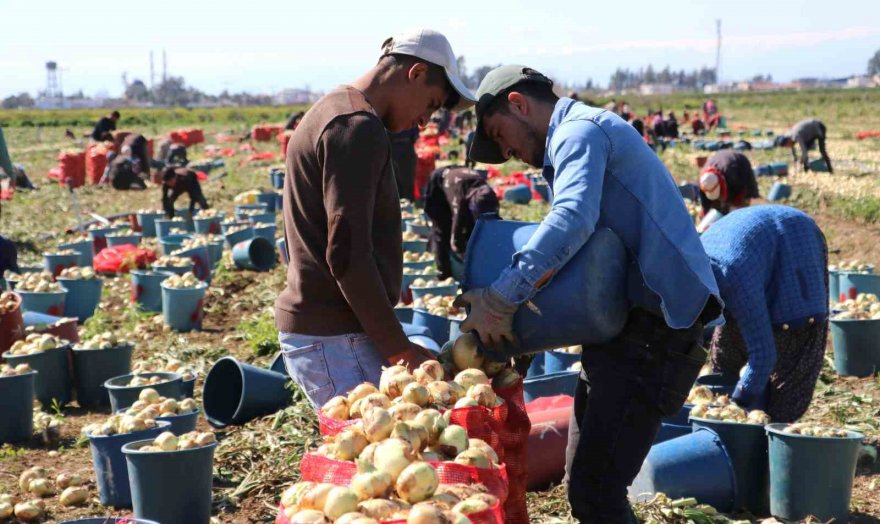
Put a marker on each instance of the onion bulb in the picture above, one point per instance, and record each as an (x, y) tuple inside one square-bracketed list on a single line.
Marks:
[(484, 447), (369, 482), (483, 394), (426, 513), (360, 391), (308, 516), (336, 408), (471, 377), (349, 444), (377, 424), (433, 421), (507, 378), (404, 431), (379, 509), (466, 352), (417, 482), (392, 456), (292, 495), (474, 458), (404, 410), (416, 393), (452, 441), (429, 371), (392, 383), (316, 497), (340, 500)]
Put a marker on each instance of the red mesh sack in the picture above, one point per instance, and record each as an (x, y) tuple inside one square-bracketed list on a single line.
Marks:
[(73, 168), (493, 515), (96, 162), (121, 259), (318, 468), (514, 439)]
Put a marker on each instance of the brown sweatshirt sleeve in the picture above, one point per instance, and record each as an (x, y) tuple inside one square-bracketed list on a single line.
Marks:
[(355, 154)]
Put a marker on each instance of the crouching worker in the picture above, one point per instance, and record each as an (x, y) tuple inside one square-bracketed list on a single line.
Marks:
[(177, 181), (770, 263), (455, 199), (123, 172), (727, 182), (603, 175)]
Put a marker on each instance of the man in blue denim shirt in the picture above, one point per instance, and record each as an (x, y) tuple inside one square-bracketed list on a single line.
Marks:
[(602, 175)]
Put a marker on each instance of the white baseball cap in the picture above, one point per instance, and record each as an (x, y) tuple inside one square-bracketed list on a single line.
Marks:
[(431, 46)]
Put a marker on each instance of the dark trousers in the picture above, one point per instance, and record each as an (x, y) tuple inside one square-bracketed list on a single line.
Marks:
[(626, 387)]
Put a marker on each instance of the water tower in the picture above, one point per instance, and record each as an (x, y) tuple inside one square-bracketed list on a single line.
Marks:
[(52, 88)]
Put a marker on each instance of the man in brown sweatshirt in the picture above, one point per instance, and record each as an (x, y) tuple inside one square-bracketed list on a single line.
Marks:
[(335, 317)]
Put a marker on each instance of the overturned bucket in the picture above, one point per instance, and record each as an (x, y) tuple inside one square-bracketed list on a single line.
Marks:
[(239, 236), (266, 231), (256, 254), (695, 465), (235, 393)]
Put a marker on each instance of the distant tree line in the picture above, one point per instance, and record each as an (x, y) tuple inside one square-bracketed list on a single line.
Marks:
[(624, 78)]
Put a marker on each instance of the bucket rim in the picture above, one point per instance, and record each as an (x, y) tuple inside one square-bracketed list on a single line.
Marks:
[(425, 312), (201, 286), (776, 428), (848, 320), (19, 376), (161, 269), (160, 424), (118, 346), (554, 375), (29, 293), (65, 347), (726, 423), (150, 272), (169, 418), (96, 278), (108, 384)]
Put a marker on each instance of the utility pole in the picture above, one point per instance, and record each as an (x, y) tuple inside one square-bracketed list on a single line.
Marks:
[(718, 53), (152, 72), (164, 67)]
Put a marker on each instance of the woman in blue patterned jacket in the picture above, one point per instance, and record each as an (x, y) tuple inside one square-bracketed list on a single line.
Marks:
[(770, 263)]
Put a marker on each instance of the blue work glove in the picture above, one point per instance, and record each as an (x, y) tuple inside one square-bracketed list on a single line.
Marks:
[(748, 399)]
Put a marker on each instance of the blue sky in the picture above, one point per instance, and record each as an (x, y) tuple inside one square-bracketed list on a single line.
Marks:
[(263, 46)]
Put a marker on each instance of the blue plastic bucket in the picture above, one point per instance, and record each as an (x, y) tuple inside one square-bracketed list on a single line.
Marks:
[(164, 226), (778, 192), (834, 285), (543, 189), (111, 470), (242, 209), (53, 374), (811, 475), (518, 194), (122, 396), (412, 329), (16, 407), (147, 221), (426, 342), (415, 246), (279, 201), (585, 303), (118, 240), (403, 223), (183, 308), (422, 231), (409, 278), (779, 168), (261, 218), (747, 446), (145, 289), (281, 247), (266, 231), (550, 384), (201, 260), (55, 264), (694, 465), (256, 254), (558, 361), (226, 225), (215, 252), (449, 290), (99, 240), (239, 236), (189, 387), (208, 226), (93, 367), (419, 265), (276, 178), (268, 198), (856, 347), (690, 191), (404, 314), (851, 284), (669, 431), (48, 303), (536, 368), (171, 486), (83, 296), (174, 270), (438, 325), (181, 424), (171, 243), (818, 165), (235, 393), (84, 248), (719, 383)]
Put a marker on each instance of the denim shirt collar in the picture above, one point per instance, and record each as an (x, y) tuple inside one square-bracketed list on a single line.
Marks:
[(560, 110)]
